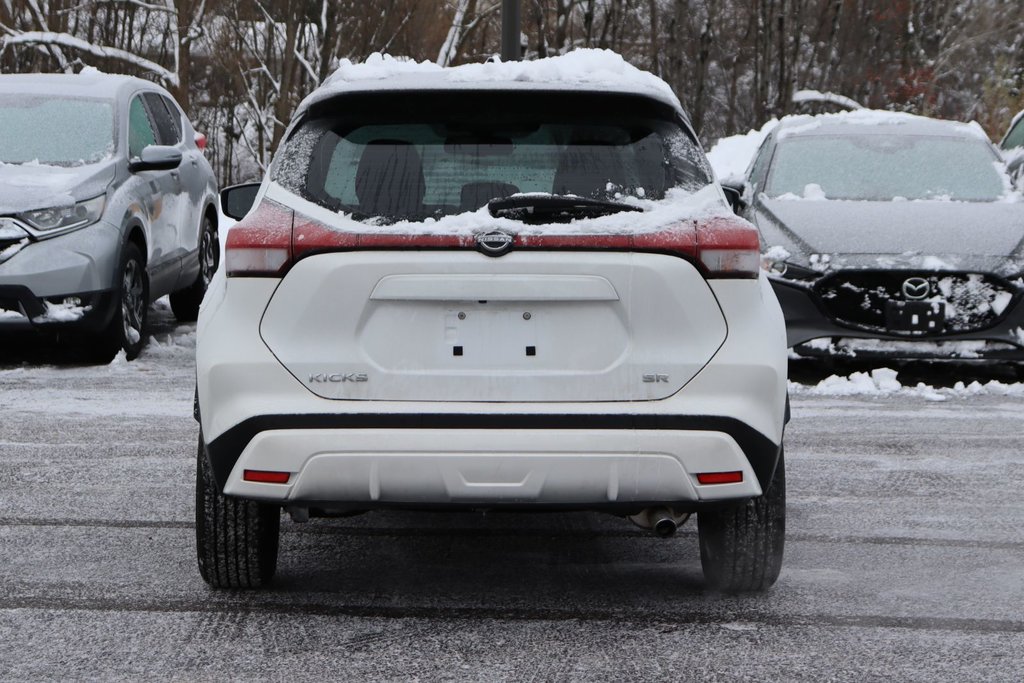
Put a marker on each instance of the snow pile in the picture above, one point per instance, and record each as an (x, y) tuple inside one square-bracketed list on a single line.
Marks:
[(731, 156), (812, 192), (67, 311), (879, 382), (776, 253), (884, 382), (590, 69)]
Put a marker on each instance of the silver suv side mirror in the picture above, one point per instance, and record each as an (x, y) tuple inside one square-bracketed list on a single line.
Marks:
[(156, 158)]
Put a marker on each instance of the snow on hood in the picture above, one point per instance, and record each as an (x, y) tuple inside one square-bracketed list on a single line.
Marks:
[(583, 69), (898, 228), (26, 187), (799, 125), (677, 207)]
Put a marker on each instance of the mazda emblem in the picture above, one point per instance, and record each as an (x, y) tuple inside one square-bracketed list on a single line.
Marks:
[(916, 288), (495, 242)]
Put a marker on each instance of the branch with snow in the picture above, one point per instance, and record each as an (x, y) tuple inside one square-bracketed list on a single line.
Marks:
[(801, 96), (68, 41)]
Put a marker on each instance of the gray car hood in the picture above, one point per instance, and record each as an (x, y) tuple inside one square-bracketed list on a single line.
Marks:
[(943, 235), (26, 187)]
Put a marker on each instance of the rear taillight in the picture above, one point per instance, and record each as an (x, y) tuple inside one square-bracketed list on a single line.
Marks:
[(728, 248), (260, 245), (200, 141), (265, 243)]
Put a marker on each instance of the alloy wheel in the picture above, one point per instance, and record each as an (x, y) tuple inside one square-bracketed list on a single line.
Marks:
[(132, 301)]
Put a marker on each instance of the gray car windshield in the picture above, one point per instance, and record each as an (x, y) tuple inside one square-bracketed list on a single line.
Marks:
[(443, 158), (884, 167), (56, 131)]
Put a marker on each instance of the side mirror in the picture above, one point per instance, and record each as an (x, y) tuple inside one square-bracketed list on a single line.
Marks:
[(237, 200), (734, 189), (156, 158)]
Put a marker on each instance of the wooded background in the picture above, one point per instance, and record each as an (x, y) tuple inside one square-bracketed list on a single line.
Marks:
[(240, 67)]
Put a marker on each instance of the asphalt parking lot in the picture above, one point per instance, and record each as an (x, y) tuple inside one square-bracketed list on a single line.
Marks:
[(905, 556)]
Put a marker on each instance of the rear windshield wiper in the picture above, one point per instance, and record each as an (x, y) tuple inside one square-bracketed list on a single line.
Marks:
[(552, 208)]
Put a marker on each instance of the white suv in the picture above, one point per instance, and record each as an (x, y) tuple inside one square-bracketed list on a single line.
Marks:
[(511, 286)]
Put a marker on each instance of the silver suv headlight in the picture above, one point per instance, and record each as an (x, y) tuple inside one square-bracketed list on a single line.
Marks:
[(65, 218)]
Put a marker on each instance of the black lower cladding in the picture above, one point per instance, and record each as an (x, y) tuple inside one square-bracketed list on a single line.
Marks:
[(98, 307), (760, 451)]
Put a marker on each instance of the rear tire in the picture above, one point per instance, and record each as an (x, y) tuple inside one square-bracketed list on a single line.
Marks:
[(741, 547), (185, 302), (236, 539), (127, 327)]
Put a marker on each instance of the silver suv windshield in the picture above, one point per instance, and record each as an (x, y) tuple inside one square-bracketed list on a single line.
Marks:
[(885, 167), (420, 156), (54, 130)]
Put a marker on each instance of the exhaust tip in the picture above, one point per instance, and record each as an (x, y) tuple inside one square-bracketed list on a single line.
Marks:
[(665, 527)]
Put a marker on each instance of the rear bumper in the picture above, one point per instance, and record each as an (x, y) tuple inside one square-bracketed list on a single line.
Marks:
[(591, 461)]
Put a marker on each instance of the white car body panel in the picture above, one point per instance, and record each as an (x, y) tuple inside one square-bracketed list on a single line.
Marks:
[(398, 318), (745, 380)]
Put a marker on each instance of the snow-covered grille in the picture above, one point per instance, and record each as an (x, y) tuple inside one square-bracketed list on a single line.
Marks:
[(885, 301)]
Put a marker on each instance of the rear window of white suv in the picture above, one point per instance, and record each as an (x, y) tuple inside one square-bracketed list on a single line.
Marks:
[(416, 156)]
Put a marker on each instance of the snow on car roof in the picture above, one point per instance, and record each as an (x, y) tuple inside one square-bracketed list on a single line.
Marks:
[(89, 83), (876, 122), (587, 70)]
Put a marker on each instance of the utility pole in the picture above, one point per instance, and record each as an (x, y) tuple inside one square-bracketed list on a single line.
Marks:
[(511, 31)]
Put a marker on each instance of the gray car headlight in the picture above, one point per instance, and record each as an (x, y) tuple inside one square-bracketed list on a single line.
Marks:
[(64, 218)]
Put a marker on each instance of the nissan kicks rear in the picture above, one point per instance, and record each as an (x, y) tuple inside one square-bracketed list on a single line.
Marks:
[(503, 286)]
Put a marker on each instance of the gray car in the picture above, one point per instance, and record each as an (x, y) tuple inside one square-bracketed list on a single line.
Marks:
[(889, 235), (106, 204)]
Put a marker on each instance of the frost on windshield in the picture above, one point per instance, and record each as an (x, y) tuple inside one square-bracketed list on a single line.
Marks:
[(55, 131), (877, 167)]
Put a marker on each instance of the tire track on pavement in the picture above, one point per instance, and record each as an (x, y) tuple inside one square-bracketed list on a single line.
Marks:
[(640, 617)]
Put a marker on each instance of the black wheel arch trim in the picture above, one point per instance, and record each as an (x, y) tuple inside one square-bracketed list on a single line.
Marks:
[(761, 452)]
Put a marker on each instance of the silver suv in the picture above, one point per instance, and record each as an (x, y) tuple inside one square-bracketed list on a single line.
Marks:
[(106, 204)]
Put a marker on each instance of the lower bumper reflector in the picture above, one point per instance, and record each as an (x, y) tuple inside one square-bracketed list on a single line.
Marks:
[(720, 477), (266, 477)]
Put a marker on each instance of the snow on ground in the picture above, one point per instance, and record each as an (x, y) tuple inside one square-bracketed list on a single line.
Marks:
[(884, 382), (69, 389)]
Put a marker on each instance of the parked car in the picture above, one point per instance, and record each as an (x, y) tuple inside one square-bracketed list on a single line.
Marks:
[(889, 235), (106, 204), (1012, 146), (506, 286)]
